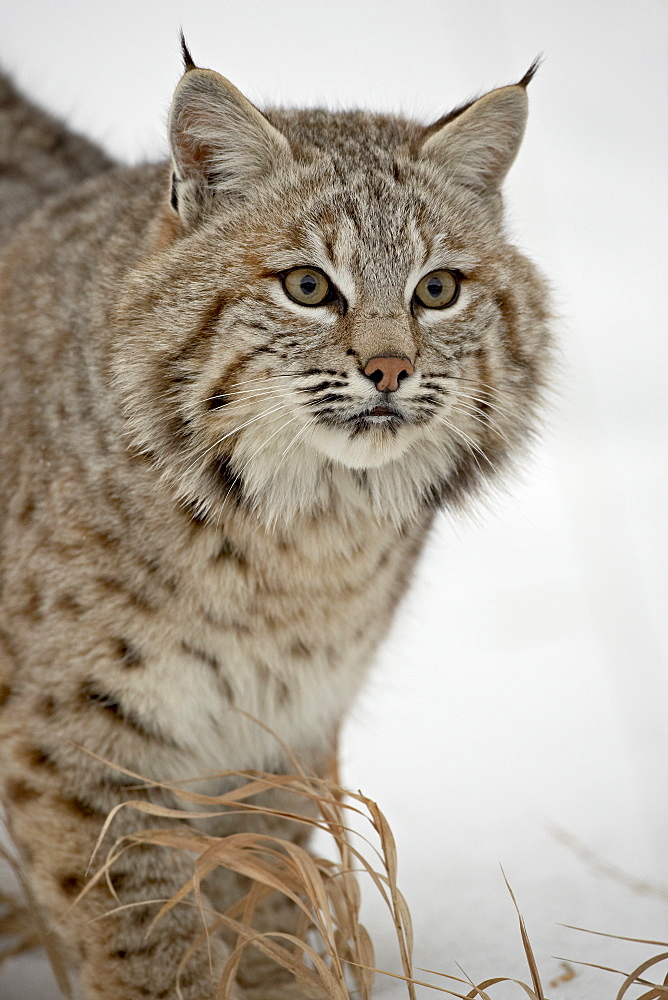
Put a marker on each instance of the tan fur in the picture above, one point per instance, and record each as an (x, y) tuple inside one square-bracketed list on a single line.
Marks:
[(38, 157), (196, 520)]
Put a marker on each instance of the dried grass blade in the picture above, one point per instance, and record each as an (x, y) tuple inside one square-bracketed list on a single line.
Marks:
[(637, 981), (237, 852), (150, 809), (322, 977), (399, 909), (528, 950), (419, 982), (366, 960), (477, 991), (616, 937), (634, 977), (254, 896), (502, 979)]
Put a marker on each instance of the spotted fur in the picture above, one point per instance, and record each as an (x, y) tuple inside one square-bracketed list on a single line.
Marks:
[(208, 510)]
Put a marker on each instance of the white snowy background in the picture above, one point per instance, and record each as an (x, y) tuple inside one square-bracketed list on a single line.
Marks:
[(518, 712)]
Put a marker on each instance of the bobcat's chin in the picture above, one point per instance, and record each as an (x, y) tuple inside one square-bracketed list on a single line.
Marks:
[(367, 447)]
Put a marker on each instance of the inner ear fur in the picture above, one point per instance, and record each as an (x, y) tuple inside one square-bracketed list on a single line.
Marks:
[(478, 144), (220, 142)]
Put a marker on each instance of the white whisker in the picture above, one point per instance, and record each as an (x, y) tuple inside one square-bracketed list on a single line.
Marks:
[(247, 393), (247, 423), (266, 442), (264, 378), (485, 402), (471, 445), (475, 414), (308, 424)]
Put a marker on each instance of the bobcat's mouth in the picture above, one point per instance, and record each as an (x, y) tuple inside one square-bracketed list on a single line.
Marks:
[(382, 417), (364, 438)]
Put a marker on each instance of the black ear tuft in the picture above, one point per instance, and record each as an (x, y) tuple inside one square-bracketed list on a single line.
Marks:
[(531, 72), (188, 63)]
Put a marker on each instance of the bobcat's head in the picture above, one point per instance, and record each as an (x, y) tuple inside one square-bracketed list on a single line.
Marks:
[(336, 306)]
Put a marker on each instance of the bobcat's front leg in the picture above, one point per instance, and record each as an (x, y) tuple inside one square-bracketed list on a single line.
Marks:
[(107, 933), (108, 942)]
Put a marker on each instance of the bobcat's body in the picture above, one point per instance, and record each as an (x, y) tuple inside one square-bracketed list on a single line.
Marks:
[(203, 520)]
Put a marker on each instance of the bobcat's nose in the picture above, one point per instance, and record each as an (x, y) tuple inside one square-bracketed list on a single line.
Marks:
[(387, 373)]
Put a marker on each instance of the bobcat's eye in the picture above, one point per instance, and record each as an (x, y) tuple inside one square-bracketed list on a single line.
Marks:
[(307, 286), (437, 290)]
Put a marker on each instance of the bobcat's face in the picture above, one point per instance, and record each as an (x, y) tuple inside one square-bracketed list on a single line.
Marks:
[(351, 305), (378, 331)]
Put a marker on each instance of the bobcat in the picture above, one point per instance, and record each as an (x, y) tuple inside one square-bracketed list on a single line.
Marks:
[(236, 388)]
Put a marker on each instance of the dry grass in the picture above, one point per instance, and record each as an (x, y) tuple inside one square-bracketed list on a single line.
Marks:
[(656, 991), (332, 951)]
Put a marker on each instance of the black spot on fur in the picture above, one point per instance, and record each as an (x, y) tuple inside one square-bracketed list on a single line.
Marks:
[(91, 695), (119, 880), (330, 384), (20, 792), (229, 480), (330, 397), (71, 885), (40, 757), (82, 809), (283, 693), (217, 400), (181, 429), (384, 559), (129, 654), (27, 511), (300, 650), (202, 655), (5, 694), (69, 604), (227, 688), (195, 514), (47, 705), (229, 551), (32, 605), (118, 588), (7, 645)]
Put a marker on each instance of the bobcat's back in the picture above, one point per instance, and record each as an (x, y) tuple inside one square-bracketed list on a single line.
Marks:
[(39, 157)]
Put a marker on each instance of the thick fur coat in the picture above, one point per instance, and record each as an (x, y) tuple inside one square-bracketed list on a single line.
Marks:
[(210, 500)]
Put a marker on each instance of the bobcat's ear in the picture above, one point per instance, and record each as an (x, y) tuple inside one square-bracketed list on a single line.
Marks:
[(478, 143), (220, 143)]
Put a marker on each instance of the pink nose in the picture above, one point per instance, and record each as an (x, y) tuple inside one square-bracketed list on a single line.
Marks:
[(387, 373)]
